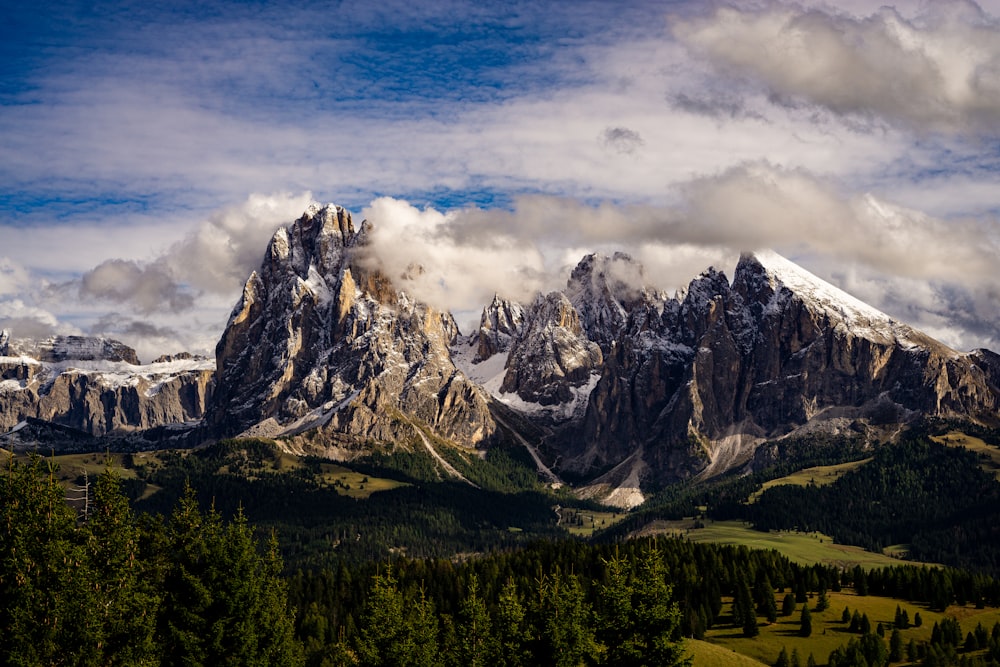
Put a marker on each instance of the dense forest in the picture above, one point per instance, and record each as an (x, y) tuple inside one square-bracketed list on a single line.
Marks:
[(935, 499), (234, 554)]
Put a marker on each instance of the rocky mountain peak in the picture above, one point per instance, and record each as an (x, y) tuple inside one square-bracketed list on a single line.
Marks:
[(553, 353), (604, 290), (321, 340), (500, 323)]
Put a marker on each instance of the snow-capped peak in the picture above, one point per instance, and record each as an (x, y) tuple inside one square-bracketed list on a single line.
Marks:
[(849, 312)]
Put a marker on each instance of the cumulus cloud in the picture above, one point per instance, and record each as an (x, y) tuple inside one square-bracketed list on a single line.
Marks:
[(215, 258), (14, 278), (457, 273), (27, 321), (470, 253), (222, 251), (937, 71), (148, 287)]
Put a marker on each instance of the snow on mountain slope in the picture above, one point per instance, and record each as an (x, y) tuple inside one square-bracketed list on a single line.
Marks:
[(849, 313)]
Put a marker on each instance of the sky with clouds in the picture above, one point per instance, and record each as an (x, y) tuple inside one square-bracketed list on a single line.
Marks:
[(149, 152)]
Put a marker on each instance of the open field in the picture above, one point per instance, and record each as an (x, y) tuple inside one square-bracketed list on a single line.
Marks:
[(705, 654), (804, 548), (584, 523), (989, 457), (829, 631), (71, 466), (354, 484), (817, 475)]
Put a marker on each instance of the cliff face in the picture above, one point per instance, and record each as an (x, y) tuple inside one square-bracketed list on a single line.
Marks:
[(632, 389), (321, 342), (730, 365), (102, 396)]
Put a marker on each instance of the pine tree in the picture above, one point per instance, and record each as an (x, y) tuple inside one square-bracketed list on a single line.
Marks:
[(805, 628), (125, 600), (385, 639), (223, 601), (639, 624), (765, 599), (788, 605), (564, 635), (895, 646), (512, 637), (782, 660), (45, 581), (476, 643)]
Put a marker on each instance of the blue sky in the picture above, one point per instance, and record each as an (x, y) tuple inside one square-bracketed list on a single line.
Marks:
[(148, 152)]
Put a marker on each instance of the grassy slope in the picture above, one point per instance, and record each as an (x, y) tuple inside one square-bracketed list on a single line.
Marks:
[(805, 548), (829, 632), (818, 475), (989, 456), (706, 654)]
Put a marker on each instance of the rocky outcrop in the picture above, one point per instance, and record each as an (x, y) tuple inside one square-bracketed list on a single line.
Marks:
[(727, 366), (68, 348), (321, 344), (103, 395), (501, 322), (552, 354)]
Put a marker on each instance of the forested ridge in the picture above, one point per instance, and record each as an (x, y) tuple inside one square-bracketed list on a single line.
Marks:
[(935, 499), (238, 558)]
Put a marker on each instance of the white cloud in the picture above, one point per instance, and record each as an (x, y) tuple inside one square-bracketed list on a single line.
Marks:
[(937, 71), (28, 321)]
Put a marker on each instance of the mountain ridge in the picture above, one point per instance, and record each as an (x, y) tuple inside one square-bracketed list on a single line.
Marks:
[(633, 388)]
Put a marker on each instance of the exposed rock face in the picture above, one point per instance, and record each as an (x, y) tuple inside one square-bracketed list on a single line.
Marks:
[(67, 348), (552, 354), (728, 366), (101, 392), (565, 336), (605, 290), (321, 342), (500, 323)]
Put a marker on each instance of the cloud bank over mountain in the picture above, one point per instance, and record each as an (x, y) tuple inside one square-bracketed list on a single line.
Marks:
[(494, 145)]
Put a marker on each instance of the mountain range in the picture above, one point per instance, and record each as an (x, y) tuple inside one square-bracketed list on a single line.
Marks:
[(609, 382)]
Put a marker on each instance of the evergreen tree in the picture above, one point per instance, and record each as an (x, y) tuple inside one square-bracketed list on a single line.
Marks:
[(223, 602), (873, 649), (476, 643), (811, 661), (846, 616), (782, 660), (639, 624), (423, 627), (766, 606), (563, 624), (866, 624), (796, 660), (917, 620), (512, 637), (902, 620), (823, 603), (44, 574), (895, 646), (744, 613), (805, 627), (788, 605), (125, 601)]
